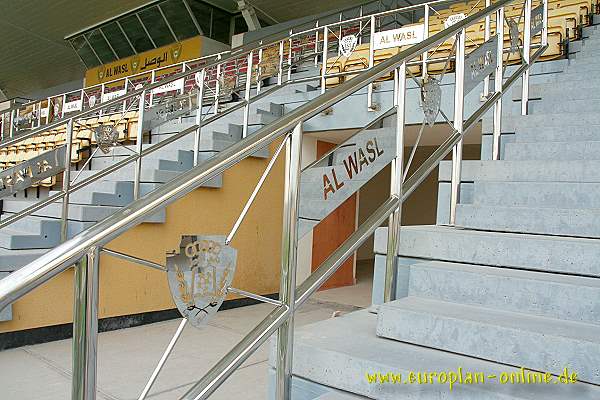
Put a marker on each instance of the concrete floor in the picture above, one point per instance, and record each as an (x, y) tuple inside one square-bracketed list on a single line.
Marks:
[(127, 357)]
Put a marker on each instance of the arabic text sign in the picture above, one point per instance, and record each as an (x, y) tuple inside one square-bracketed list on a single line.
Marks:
[(169, 87), (480, 63), (398, 37), (32, 171), (326, 184), (537, 20)]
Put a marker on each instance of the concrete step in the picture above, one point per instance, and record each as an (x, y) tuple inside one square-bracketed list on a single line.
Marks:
[(340, 396), (345, 353), (148, 175), (559, 105), (77, 212), (102, 193), (11, 260), (580, 133), (538, 343), (525, 171), (512, 122), (512, 250), (12, 239), (553, 195), (559, 151), (557, 296), (564, 92), (547, 221)]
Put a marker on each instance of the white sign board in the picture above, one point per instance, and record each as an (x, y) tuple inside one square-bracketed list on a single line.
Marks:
[(72, 106), (453, 19), (169, 87), (44, 112), (398, 37), (112, 95)]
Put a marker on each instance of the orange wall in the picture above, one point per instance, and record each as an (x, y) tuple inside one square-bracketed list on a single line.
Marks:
[(127, 288)]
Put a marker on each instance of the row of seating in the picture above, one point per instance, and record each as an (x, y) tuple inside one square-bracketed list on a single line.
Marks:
[(562, 15), (84, 136)]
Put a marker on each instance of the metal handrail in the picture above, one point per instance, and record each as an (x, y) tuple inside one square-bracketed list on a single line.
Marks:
[(63, 256), (218, 59), (256, 44), (133, 157)]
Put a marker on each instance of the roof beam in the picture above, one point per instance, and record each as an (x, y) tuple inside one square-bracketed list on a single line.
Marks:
[(194, 20), (249, 14)]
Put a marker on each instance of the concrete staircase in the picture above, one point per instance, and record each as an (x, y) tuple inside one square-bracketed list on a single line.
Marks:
[(513, 284)]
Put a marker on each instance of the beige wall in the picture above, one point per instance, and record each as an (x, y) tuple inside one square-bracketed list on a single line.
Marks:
[(127, 288)]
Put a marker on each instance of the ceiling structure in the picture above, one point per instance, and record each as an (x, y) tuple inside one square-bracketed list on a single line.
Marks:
[(36, 56)]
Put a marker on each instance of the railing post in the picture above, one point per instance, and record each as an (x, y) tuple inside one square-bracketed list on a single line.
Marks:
[(458, 123), (285, 334), (66, 184), (498, 82), (397, 172), (247, 93), (324, 59), (280, 69), (217, 90), (259, 70), (526, 53), (425, 36), (487, 29), (316, 44), (85, 327), (137, 176), (545, 26), (371, 62), (13, 122), (199, 117)]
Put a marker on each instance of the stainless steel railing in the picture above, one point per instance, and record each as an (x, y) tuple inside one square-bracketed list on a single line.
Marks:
[(83, 249)]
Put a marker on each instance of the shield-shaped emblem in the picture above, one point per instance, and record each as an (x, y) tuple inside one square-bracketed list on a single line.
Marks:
[(199, 275), (513, 31), (100, 73), (135, 63), (92, 100), (431, 98), (348, 44), (176, 51), (106, 137)]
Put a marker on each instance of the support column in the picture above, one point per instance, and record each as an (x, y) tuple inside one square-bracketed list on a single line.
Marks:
[(287, 288), (85, 327)]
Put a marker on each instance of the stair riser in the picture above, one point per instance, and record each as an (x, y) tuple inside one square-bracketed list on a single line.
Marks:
[(46, 240), (510, 346), (577, 256), (529, 194), (584, 223), (505, 292), (557, 105), (525, 171), (558, 151), (576, 134)]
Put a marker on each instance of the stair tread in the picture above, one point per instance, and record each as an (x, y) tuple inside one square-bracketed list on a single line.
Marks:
[(326, 353)]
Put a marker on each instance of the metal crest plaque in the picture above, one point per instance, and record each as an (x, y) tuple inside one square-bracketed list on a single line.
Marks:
[(513, 31), (328, 182), (537, 19), (431, 99), (480, 63), (169, 108), (32, 171), (107, 137), (199, 275), (348, 44)]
